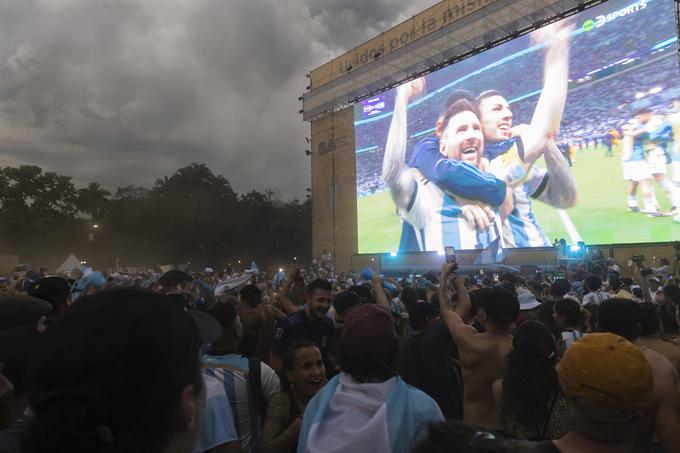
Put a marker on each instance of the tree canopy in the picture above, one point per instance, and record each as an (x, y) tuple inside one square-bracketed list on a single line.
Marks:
[(190, 216)]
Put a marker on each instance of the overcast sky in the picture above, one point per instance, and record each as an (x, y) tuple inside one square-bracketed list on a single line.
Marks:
[(125, 91)]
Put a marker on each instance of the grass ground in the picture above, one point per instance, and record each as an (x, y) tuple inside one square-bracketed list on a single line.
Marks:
[(601, 215)]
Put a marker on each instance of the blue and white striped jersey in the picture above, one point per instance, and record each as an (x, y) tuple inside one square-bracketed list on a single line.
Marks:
[(656, 134), (520, 229), (433, 220), (218, 421), (232, 371)]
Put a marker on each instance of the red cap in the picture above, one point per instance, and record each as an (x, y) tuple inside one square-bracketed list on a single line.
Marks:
[(369, 330)]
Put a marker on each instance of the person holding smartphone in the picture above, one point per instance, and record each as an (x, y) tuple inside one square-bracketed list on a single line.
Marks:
[(482, 355)]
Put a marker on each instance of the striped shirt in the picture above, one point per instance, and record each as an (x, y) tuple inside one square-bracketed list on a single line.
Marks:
[(656, 134), (674, 121), (434, 219), (571, 336), (520, 229), (218, 421), (232, 371)]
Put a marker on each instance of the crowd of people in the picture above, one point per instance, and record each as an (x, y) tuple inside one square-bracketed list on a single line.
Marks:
[(320, 361)]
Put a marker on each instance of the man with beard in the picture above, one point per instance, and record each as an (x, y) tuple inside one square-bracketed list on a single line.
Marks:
[(510, 152), (460, 177), (436, 218), (310, 323)]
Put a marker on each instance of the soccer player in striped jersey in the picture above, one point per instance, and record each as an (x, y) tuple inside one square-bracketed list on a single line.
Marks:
[(457, 177), (674, 120), (656, 151), (648, 134), (511, 151), (434, 218)]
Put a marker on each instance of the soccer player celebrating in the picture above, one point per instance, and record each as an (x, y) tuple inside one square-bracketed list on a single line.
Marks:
[(674, 120), (434, 218), (641, 136), (511, 151)]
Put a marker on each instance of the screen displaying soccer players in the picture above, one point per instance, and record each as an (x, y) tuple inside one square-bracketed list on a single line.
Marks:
[(568, 132)]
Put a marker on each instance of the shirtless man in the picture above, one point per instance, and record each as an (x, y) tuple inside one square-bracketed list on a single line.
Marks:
[(258, 317), (650, 335), (619, 316), (249, 298), (482, 355)]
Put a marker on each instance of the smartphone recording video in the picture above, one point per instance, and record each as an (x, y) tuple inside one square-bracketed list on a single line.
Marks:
[(450, 254)]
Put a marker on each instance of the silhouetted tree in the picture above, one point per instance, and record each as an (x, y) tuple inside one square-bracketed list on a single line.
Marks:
[(92, 199)]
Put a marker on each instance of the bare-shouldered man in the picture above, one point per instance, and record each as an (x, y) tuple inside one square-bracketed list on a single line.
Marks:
[(482, 355), (620, 316), (249, 299), (650, 335), (650, 327)]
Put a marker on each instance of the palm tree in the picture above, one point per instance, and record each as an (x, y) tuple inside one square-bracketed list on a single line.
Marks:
[(92, 199)]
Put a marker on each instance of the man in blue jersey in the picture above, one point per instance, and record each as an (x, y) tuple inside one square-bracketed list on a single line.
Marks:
[(310, 323)]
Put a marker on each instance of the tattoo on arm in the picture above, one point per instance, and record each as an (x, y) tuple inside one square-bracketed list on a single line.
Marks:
[(561, 190), (279, 433)]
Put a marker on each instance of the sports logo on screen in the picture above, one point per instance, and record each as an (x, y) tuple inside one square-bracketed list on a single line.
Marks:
[(373, 106), (602, 19), (433, 168)]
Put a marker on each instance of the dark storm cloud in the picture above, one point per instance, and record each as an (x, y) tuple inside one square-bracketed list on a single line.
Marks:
[(348, 23), (125, 91)]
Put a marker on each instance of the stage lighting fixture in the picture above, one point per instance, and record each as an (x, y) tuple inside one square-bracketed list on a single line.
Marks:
[(308, 152), (300, 98), (393, 254), (575, 248), (301, 111)]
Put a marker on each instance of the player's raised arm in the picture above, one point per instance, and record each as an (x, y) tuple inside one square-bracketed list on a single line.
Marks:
[(548, 114), (393, 173), (560, 191)]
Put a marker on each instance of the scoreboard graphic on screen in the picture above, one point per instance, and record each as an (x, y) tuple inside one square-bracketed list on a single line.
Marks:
[(571, 131)]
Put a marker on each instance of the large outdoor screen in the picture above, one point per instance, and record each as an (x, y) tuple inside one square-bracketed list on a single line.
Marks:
[(572, 131)]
